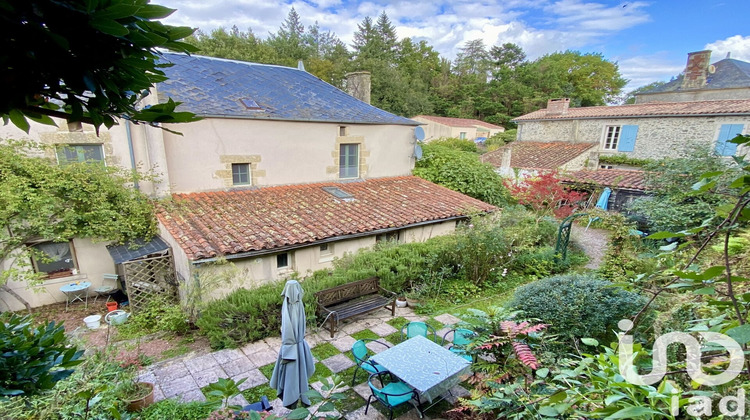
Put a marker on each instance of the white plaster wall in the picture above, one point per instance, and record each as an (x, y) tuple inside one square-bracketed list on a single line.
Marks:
[(93, 262), (657, 137), (289, 152)]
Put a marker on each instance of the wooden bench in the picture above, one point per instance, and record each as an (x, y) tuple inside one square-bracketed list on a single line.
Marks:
[(353, 299)]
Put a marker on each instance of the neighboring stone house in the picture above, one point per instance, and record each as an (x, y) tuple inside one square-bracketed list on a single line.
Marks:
[(652, 130), (626, 185), (461, 128), (263, 126), (528, 158), (702, 81)]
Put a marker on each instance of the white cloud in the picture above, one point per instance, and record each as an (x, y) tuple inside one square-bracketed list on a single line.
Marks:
[(738, 46), (644, 69)]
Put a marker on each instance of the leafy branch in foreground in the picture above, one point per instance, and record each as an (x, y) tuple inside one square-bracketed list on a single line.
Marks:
[(110, 55)]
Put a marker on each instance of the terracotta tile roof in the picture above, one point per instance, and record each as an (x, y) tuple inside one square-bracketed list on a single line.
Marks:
[(651, 109), (459, 122), (210, 224), (622, 178), (537, 155)]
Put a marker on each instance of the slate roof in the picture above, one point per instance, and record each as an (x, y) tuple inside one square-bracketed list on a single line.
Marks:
[(459, 122), (730, 73), (618, 178), (736, 107), (210, 224), (214, 87), (138, 249), (537, 155)]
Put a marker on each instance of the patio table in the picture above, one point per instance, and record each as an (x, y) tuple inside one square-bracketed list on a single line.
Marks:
[(76, 291), (425, 366)]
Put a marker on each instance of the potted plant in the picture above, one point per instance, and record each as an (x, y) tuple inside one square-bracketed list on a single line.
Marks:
[(138, 395), (401, 302), (412, 298)]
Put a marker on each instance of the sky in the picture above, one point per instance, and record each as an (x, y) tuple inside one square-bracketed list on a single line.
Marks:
[(649, 40)]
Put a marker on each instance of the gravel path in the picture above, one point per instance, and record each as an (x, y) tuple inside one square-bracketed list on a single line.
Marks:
[(593, 241)]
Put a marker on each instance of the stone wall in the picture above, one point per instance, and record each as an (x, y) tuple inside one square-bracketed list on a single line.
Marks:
[(657, 137)]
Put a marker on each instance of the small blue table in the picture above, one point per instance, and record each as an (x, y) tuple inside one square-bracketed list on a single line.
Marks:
[(425, 366), (75, 292)]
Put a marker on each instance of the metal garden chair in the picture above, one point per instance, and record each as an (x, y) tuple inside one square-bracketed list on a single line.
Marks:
[(461, 338), (415, 328), (362, 358), (391, 393)]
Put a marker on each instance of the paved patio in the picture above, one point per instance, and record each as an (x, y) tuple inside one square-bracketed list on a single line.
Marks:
[(183, 377)]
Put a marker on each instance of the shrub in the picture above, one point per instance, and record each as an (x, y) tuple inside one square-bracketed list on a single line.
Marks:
[(500, 139), (577, 305), (462, 172), (158, 315), (545, 194), (34, 358), (171, 409), (463, 145)]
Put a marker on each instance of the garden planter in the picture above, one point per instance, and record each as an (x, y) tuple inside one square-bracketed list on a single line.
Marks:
[(139, 404), (111, 306), (92, 321), (401, 302), (412, 302)]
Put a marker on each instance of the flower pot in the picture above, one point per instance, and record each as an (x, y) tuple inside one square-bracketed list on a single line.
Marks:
[(412, 302), (111, 306), (139, 404), (400, 302), (92, 321)]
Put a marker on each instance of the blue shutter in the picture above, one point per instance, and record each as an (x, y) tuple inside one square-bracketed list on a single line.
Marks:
[(627, 138), (727, 132)]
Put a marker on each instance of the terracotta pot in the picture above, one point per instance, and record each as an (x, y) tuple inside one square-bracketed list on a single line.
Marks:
[(143, 402), (111, 306)]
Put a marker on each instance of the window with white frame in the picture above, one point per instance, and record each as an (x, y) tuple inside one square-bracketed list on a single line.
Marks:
[(349, 161), (56, 259), (240, 174), (611, 137), (462, 135), (326, 250), (393, 236), (74, 153)]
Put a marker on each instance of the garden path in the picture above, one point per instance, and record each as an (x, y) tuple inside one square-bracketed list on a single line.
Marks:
[(593, 242), (183, 377)]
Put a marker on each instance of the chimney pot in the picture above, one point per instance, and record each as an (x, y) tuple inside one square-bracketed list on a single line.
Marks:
[(558, 106), (696, 70), (358, 84)]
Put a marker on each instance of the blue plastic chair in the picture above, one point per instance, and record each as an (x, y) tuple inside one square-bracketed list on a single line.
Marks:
[(415, 328), (362, 358), (391, 393), (461, 338)]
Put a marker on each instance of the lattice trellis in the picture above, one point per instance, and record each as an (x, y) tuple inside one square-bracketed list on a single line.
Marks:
[(149, 278)]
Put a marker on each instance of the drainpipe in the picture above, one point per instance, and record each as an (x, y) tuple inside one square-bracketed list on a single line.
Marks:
[(132, 153)]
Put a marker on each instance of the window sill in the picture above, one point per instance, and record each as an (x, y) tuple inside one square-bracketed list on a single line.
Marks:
[(68, 279), (326, 258)]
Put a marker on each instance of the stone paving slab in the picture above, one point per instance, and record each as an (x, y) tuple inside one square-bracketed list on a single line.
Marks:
[(338, 363), (192, 395), (352, 327), (179, 386), (209, 376), (441, 333), (264, 357), (359, 414), (447, 319), (377, 347), (254, 378), (255, 347), (363, 390), (171, 372), (227, 355), (237, 366), (274, 343), (201, 363), (383, 329), (344, 343), (238, 400)]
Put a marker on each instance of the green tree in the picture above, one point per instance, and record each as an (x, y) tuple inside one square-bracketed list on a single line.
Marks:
[(235, 45), (40, 200), (462, 172), (630, 96), (85, 61), (290, 41)]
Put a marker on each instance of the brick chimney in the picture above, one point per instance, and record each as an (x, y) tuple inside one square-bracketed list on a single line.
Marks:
[(696, 70), (358, 85), (558, 106)]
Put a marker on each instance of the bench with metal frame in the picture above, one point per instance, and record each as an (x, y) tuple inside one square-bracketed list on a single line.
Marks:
[(352, 299)]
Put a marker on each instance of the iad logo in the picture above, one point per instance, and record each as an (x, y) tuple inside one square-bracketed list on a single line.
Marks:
[(699, 405)]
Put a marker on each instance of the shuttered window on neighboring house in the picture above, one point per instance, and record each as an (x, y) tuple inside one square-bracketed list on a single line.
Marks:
[(726, 133), (628, 134), (349, 161)]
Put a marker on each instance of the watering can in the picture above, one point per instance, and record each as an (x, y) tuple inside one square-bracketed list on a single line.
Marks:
[(116, 317)]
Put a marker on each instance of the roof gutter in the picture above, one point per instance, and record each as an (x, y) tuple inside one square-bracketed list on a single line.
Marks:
[(257, 118), (611, 117), (261, 252)]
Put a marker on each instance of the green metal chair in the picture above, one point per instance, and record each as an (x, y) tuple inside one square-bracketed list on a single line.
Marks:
[(461, 338), (391, 393), (415, 328), (362, 358)]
